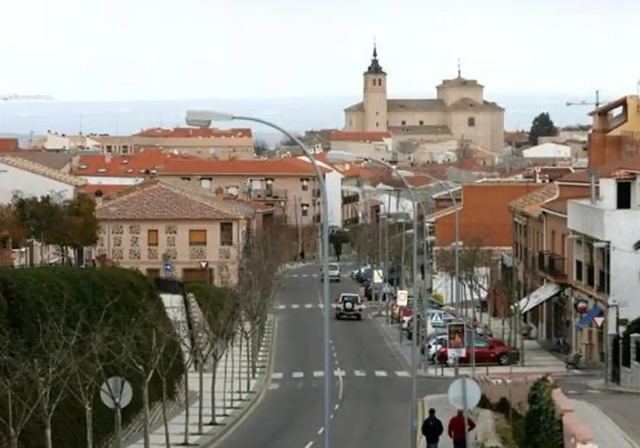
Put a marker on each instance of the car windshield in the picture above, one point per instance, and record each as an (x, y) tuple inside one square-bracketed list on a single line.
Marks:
[(350, 298), (334, 267)]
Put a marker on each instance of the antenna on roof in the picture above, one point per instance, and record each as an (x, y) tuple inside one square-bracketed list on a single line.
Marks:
[(459, 69)]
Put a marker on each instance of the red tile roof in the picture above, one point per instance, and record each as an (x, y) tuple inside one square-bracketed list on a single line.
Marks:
[(106, 190), (132, 165), (196, 132), (8, 144), (359, 136)]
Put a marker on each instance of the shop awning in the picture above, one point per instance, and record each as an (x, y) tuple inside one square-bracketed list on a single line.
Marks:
[(586, 319), (540, 295)]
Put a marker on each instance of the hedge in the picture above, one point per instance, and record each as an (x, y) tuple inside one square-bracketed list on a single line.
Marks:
[(28, 296)]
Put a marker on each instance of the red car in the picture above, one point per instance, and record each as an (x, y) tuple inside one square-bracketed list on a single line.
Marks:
[(487, 351)]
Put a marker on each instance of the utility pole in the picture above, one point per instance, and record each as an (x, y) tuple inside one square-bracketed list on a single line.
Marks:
[(586, 103)]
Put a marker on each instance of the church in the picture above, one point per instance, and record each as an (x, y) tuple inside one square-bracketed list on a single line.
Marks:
[(459, 112)]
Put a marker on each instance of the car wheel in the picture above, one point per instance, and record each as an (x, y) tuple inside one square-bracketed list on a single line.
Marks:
[(359, 316), (337, 317), (504, 359)]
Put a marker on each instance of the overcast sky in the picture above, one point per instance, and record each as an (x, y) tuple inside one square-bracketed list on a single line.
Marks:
[(164, 49)]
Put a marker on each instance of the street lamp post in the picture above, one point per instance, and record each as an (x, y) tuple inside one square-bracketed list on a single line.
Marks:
[(341, 156), (203, 118)]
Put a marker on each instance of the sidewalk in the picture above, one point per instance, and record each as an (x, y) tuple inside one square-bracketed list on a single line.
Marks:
[(606, 433), (234, 403), (444, 412), (537, 360)]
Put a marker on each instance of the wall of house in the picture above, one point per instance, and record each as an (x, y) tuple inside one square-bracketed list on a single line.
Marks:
[(414, 118), (488, 130), (378, 150), (126, 243), (482, 221), (112, 180), (14, 180), (354, 121)]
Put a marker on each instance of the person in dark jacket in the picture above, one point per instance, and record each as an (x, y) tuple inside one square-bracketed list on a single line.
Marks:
[(432, 429), (456, 429)]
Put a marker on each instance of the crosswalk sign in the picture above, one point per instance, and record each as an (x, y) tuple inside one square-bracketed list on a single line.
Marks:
[(436, 318)]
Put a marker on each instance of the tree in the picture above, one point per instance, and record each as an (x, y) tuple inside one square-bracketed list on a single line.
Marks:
[(543, 427), (337, 239), (13, 232), (83, 224), (261, 147), (463, 150), (40, 216), (542, 126)]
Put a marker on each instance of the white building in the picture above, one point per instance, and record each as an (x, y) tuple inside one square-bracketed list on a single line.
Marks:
[(548, 151), (333, 181), (27, 179), (605, 265)]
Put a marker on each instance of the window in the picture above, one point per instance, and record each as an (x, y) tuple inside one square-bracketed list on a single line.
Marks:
[(377, 125), (153, 272), (305, 184), (226, 234), (578, 255), (188, 179), (377, 113), (205, 182), (152, 237), (624, 195), (305, 209), (471, 122), (564, 242), (421, 122), (403, 123), (197, 237), (553, 241)]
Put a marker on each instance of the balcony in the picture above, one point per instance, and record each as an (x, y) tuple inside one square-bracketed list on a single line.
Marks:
[(268, 195), (552, 265)]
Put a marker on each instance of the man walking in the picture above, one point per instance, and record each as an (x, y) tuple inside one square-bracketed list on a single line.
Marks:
[(456, 429), (432, 429)]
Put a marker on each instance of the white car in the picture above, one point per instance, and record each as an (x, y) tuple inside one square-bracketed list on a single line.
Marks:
[(334, 272), (349, 305)]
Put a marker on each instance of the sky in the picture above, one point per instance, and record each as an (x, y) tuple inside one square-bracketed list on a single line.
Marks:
[(173, 49)]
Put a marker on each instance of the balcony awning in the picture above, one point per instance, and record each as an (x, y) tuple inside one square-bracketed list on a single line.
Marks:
[(537, 297), (586, 319)]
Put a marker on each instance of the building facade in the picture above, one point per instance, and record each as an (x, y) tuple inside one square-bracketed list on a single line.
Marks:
[(459, 111)]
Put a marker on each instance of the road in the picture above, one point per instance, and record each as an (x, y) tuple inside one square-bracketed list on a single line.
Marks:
[(374, 409)]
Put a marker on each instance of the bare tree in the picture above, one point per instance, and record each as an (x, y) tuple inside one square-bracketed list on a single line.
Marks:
[(163, 369), (185, 338)]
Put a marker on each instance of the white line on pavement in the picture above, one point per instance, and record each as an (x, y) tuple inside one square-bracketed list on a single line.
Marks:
[(336, 407), (277, 375), (309, 445), (274, 386), (380, 373), (331, 416), (295, 306), (294, 275), (321, 430), (318, 373), (359, 373), (308, 305), (304, 275), (402, 373), (281, 307), (297, 375), (341, 387)]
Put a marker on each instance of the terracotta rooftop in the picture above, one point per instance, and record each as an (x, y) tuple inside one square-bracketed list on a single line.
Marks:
[(8, 144), (42, 170), (359, 136), (51, 159), (163, 199), (530, 203), (196, 132), (558, 205), (106, 189)]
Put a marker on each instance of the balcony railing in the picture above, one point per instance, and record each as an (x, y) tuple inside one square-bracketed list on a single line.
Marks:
[(268, 195), (552, 264)]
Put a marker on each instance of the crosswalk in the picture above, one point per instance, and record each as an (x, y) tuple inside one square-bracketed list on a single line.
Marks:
[(312, 275), (298, 375), (303, 306)]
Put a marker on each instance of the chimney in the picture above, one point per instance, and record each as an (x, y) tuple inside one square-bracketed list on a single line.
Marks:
[(592, 187)]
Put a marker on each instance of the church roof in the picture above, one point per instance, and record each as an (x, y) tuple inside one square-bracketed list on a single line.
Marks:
[(375, 68), (468, 104), (459, 82), (416, 105)]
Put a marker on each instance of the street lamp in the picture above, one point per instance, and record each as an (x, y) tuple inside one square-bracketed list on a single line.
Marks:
[(342, 156), (203, 119)]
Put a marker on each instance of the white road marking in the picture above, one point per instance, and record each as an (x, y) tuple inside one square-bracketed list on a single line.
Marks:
[(318, 373), (380, 373), (335, 355), (591, 391), (309, 445), (359, 373), (339, 372), (572, 392), (336, 407), (294, 275), (321, 430), (281, 307), (308, 305), (304, 275), (297, 375), (321, 305), (295, 306), (402, 373), (314, 275), (331, 416), (274, 386), (277, 375), (341, 386)]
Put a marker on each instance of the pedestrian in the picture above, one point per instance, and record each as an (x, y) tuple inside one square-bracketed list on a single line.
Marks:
[(432, 429), (456, 429)]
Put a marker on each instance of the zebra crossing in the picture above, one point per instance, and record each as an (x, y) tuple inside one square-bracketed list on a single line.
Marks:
[(316, 275), (298, 375), (303, 306)]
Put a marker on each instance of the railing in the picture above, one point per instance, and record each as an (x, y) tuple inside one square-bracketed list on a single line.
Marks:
[(551, 264), (350, 199), (268, 194)]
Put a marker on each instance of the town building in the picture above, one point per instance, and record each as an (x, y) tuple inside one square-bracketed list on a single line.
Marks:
[(459, 111), (166, 227)]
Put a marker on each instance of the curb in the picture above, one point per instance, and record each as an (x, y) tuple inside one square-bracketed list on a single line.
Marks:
[(394, 346), (261, 388), (420, 418), (599, 385)]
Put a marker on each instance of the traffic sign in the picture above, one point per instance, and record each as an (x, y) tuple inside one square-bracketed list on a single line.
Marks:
[(204, 265), (402, 297), (464, 389), (436, 318), (168, 267), (116, 391), (456, 336), (598, 320), (377, 276)]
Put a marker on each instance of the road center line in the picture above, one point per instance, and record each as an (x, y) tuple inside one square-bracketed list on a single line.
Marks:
[(321, 430), (309, 445)]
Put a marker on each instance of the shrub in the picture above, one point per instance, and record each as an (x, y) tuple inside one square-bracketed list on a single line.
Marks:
[(30, 296), (542, 426)]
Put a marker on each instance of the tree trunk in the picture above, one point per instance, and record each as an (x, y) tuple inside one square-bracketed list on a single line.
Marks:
[(200, 394), (165, 420), (13, 438), (240, 368), (117, 440), (224, 383), (233, 366), (88, 417), (248, 355), (47, 432), (186, 405), (145, 410), (213, 391)]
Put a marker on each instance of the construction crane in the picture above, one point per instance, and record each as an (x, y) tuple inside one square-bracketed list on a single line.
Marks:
[(586, 103)]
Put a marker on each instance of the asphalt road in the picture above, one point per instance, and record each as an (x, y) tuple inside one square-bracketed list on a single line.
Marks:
[(374, 409)]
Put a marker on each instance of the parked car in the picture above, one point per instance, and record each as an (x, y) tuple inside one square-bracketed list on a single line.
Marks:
[(364, 274), (334, 272), (487, 351), (349, 305), (433, 344)]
